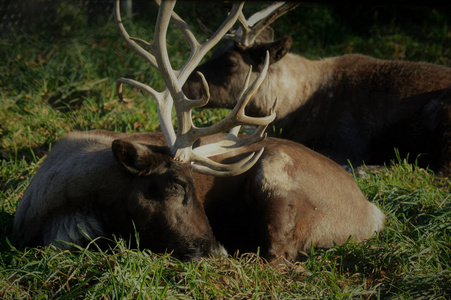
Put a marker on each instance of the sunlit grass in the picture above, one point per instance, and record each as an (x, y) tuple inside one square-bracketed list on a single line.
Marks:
[(53, 82)]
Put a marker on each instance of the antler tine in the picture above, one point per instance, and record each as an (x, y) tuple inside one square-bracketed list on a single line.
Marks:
[(237, 115), (198, 51), (183, 105), (252, 27), (164, 103), (181, 143), (131, 42), (235, 118), (221, 170), (159, 59)]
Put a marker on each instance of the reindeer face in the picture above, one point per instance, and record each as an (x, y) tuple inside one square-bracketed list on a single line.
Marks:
[(226, 71), (163, 202), (225, 74)]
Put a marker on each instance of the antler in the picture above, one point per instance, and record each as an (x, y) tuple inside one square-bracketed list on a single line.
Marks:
[(249, 29), (181, 144)]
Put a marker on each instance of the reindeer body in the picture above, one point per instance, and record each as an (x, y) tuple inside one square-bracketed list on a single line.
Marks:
[(290, 199), (365, 107), (348, 107)]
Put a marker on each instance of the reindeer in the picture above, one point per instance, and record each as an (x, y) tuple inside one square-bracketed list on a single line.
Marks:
[(351, 107), (255, 191)]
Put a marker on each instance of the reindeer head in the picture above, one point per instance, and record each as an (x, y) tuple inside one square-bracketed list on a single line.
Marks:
[(162, 202), (249, 44)]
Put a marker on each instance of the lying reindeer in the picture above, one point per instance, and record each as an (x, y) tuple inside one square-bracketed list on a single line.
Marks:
[(348, 107), (284, 198)]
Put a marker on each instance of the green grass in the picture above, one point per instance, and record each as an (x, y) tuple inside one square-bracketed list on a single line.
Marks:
[(60, 76)]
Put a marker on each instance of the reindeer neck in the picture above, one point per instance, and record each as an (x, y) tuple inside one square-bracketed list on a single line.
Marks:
[(293, 80)]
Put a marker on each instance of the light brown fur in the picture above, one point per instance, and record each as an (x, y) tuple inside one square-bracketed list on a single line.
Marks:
[(291, 199)]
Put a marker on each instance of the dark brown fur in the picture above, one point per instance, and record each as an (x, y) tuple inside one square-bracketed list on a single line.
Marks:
[(348, 107)]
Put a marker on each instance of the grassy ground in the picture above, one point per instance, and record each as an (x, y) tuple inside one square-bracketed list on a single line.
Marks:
[(60, 76)]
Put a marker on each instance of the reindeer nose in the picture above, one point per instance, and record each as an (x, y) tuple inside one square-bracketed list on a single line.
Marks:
[(219, 250)]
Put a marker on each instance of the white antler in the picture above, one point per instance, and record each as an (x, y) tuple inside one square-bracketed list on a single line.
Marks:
[(250, 28), (181, 144)]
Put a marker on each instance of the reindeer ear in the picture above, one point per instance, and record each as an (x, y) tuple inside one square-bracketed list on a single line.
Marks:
[(278, 49), (267, 35), (136, 159)]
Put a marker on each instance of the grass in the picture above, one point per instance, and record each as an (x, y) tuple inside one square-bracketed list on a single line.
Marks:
[(60, 76)]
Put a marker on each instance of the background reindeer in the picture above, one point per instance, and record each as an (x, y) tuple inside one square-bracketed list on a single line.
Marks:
[(347, 107), (100, 183)]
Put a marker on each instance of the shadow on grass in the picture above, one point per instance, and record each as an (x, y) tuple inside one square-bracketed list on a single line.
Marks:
[(6, 231), (66, 102)]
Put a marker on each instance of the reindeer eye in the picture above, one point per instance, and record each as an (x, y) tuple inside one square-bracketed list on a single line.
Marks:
[(231, 62), (180, 187), (177, 182)]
